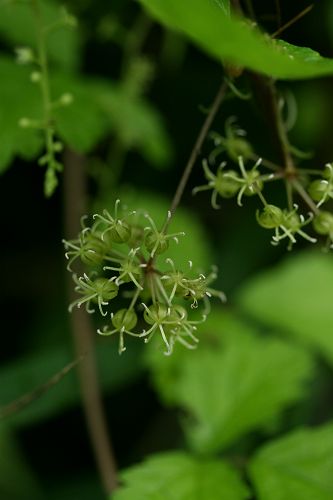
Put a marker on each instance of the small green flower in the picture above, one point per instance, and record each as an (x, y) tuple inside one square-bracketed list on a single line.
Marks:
[(157, 242), (117, 229), (129, 269), (123, 321), (88, 247), (224, 183), (271, 217), (234, 143), (291, 225), (323, 223), (321, 190), (99, 291)]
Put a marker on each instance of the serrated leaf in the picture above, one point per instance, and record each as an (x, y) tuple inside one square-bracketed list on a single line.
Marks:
[(297, 466), (179, 476), (295, 296), (236, 41), (18, 26), (236, 385), (220, 328)]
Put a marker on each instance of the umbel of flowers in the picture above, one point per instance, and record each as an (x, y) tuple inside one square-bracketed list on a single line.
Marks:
[(313, 187), (126, 255)]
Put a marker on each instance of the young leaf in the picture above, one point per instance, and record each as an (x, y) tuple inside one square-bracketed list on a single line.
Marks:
[(295, 296), (297, 466), (179, 476), (236, 382), (237, 41)]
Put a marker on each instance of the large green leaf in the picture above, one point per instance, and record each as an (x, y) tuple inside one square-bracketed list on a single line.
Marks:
[(234, 384), (82, 124), (236, 41), (179, 476), (296, 296), (18, 26), (18, 98), (296, 467), (136, 123)]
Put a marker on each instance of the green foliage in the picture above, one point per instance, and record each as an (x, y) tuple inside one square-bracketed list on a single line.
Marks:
[(18, 26), (136, 124), (296, 298), (19, 98), (233, 385), (236, 41), (297, 466), (245, 383), (177, 475)]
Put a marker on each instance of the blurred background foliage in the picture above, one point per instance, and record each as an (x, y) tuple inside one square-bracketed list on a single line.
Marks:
[(264, 365)]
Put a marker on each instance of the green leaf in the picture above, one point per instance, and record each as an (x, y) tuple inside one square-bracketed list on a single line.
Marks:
[(237, 41), (19, 98), (136, 123), (295, 296), (224, 5), (235, 384), (81, 124), (298, 466), (179, 476), (16, 479), (18, 26)]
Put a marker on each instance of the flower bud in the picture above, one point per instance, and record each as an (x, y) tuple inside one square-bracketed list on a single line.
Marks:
[(156, 241), (119, 232), (323, 223), (106, 289), (270, 217), (124, 318), (156, 313), (226, 184), (237, 146), (318, 189)]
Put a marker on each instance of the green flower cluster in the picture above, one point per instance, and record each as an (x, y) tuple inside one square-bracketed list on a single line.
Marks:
[(119, 254), (287, 223)]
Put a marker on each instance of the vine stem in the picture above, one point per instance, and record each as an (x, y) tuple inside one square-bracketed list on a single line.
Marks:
[(83, 332), (195, 153), (45, 81)]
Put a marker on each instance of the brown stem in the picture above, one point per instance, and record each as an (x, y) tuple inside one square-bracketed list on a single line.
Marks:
[(83, 333), (303, 194), (195, 152)]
